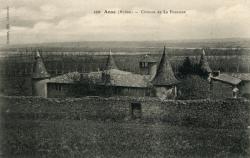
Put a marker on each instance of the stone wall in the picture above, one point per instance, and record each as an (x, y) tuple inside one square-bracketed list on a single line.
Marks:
[(227, 113)]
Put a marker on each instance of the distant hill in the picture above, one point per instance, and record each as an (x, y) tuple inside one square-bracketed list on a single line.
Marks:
[(132, 46)]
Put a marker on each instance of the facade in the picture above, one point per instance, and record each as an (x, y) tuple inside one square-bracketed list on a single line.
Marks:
[(224, 85), (244, 86), (122, 83), (156, 82)]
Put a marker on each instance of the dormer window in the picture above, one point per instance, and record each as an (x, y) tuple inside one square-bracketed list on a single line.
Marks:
[(144, 65)]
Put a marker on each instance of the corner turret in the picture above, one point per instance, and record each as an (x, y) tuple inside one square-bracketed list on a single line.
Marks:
[(39, 70), (164, 80), (39, 77)]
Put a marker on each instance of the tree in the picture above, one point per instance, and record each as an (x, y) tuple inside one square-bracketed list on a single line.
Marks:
[(187, 67), (20, 86)]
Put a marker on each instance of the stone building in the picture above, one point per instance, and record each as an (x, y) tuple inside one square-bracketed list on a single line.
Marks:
[(244, 86), (155, 82), (224, 85), (206, 83)]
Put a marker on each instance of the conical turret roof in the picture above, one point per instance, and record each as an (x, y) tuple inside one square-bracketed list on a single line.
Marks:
[(164, 75), (204, 66), (110, 62), (39, 70)]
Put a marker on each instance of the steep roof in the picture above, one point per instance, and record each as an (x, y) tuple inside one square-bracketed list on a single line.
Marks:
[(112, 76), (242, 76), (110, 62), (116, 71), (39, 70), (71, 77), (164, 75), (117, 78), (74, 77), (92, 77), (204, 66), (125, 79), (225, 78), (148, 59)]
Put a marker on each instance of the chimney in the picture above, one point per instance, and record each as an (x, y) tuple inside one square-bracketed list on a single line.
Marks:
[(216, 73)]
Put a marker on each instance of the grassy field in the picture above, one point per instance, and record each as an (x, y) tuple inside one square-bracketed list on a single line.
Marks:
[(86, 138)]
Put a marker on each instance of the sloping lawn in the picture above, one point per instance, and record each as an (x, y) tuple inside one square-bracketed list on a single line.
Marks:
[(85, 138)]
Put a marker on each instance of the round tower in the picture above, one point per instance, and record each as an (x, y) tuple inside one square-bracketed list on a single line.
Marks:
[(39, 77), (148, 66), (164, 81)]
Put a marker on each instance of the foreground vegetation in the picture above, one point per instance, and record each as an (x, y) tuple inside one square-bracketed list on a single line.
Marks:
[(33, 127), (86, 138)]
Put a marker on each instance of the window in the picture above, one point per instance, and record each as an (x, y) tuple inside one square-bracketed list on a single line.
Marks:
[(58, 87), (144, 64), (136, 110)]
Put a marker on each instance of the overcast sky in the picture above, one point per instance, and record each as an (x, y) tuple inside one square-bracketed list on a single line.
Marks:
[(35, 21)]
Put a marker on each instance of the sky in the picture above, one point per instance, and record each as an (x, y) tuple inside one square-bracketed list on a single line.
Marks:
[(38, 21)]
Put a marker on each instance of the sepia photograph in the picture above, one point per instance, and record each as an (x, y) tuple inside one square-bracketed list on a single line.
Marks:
[(124, 79)]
